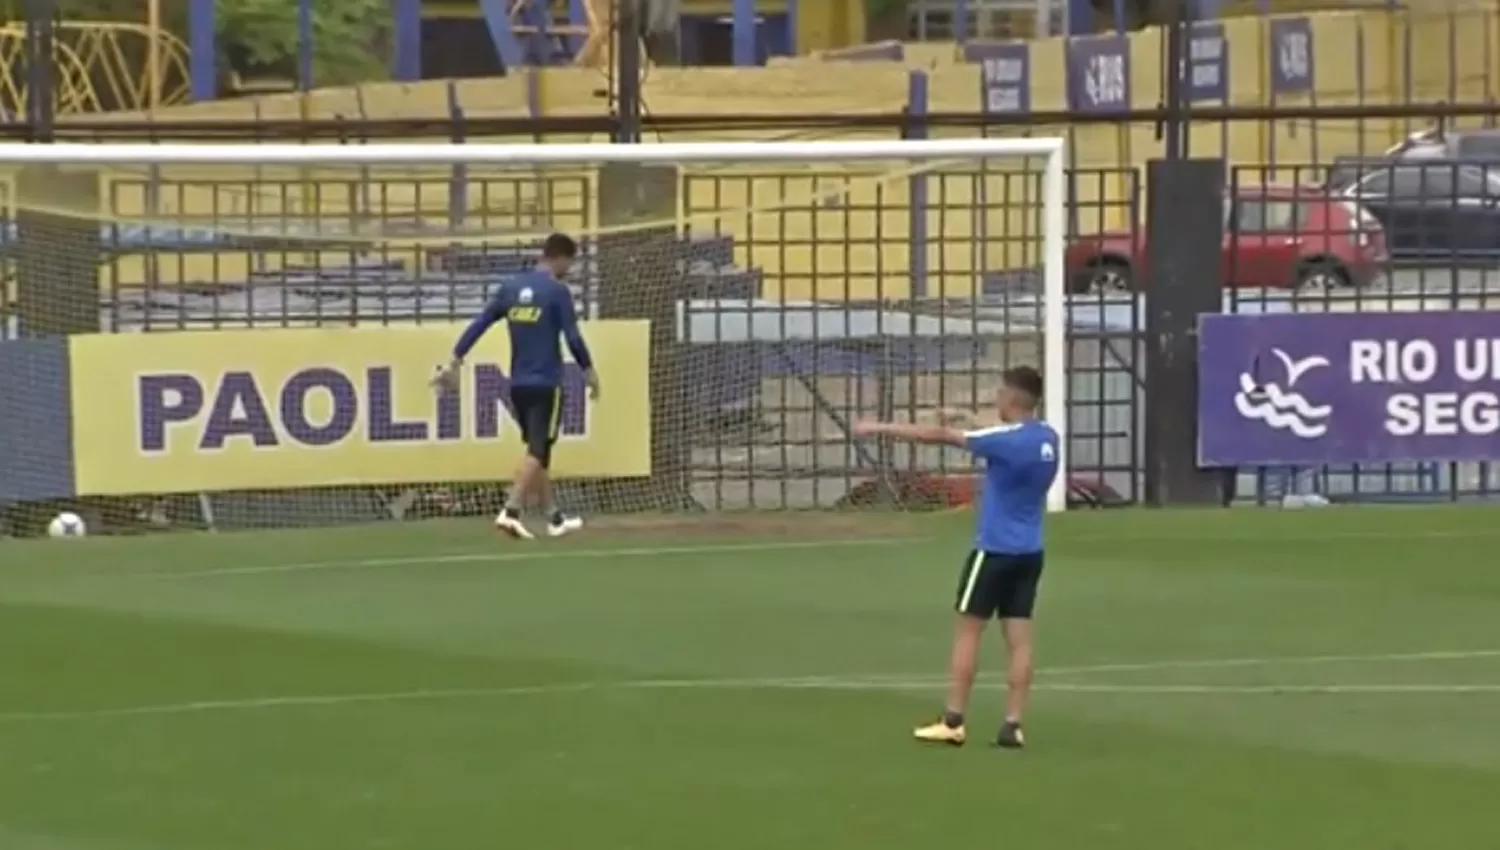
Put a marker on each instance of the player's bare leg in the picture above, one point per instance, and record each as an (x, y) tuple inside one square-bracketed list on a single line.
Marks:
[(509, 520), (558, 523), (1018, 677), (963, 663), (543, 491)]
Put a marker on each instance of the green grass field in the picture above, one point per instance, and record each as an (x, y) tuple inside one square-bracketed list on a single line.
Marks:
[(1224, 680)]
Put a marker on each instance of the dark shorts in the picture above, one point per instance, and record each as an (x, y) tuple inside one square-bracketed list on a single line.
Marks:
[(995, 585), (538, 411)]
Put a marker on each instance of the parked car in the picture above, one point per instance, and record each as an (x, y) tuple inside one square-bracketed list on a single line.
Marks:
[(1428, 208), (1437, 143), (1475, 147), (1283, 237)]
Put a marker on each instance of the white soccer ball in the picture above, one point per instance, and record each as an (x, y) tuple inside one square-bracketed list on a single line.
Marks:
[(67, 524)]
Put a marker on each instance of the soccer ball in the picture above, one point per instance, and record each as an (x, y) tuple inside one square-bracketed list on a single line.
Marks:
[(67, 524)]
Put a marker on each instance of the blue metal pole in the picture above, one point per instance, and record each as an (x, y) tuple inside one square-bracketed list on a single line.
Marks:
[(304, 45), (1080, 17), (203, 71), (743, 32), (365, 205), (458, 184), (406, 17), (534, 93), (917, 108), (791, 26), (507, 47), (578, 16), (538, 15)]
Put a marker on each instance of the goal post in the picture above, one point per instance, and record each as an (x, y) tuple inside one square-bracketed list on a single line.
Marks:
[(285, 260)]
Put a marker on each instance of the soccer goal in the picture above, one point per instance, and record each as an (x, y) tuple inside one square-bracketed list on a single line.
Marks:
[(242, 335)]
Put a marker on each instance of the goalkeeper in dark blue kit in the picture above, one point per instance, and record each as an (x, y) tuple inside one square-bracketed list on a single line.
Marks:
[(537, 307)]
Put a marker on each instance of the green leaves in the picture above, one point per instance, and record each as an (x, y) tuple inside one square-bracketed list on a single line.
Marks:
[(348, 36)]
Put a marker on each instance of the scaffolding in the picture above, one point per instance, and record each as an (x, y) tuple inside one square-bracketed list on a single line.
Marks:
[(100, 67)]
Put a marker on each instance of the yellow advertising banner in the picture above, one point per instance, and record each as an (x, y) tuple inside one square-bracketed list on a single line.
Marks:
[(265, 409)]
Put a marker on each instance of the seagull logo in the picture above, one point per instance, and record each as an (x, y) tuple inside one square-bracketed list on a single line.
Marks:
[(1284, 409)]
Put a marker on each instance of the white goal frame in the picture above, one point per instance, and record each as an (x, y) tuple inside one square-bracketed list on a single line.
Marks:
[(1054, 299)]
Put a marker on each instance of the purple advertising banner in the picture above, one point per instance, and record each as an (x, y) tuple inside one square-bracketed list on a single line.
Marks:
[(36, 433), (1205, 72), (1004, 75), (1337, 388), (1291, 57), (1098, 73)]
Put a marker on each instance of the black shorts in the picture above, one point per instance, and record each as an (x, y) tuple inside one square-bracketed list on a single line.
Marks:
[(538, 411), (995, 585)]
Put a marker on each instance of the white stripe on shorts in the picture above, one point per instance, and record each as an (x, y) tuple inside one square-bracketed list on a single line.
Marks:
[(973, 579)]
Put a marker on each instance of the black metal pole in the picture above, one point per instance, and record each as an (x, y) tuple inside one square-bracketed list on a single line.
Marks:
[(1184, 253), (1177, 119), (41, 89), (628, 68)]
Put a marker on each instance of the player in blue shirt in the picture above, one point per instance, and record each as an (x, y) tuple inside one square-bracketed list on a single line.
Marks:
[(1000, 577), (537, 308)]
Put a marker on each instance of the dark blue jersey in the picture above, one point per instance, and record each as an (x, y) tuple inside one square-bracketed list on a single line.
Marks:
[(538, 310)]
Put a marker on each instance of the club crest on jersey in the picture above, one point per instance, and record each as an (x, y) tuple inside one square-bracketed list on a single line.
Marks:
[(525, 312)]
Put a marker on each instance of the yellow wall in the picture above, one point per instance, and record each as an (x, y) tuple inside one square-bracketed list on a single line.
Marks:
[(471, 9), (821, 24), (825, 230), (828, 24)]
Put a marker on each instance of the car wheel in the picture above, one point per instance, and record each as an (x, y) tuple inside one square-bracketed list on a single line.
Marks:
[(1314, 278), (1103, 276)]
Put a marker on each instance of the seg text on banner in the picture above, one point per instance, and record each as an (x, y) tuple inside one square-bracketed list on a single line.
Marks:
[(1305, 389), (268, 409)]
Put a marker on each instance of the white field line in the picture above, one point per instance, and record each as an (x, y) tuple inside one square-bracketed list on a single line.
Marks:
[(542, 554), (825, 684), (415, 695), (1106, 688), (1271, 690), (1273, 661), (1230, 663), (871, 682), (530, 554)]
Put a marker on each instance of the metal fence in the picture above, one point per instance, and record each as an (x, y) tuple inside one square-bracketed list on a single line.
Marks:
[(813, 296), (843, 300)]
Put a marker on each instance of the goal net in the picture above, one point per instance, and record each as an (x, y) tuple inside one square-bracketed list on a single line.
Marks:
[(242, 335)]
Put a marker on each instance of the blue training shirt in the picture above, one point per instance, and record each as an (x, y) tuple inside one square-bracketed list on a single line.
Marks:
[(538, 310), (1020, 463)]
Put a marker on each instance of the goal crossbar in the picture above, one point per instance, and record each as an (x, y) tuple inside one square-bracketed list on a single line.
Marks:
[(1054, 329)]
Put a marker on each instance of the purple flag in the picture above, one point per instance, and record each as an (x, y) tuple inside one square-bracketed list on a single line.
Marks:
[(1099, 73), (1205, 72), (1005, 75), (1291, 57)]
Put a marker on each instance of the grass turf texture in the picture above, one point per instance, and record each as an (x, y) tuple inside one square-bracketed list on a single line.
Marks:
[(430, 687)]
